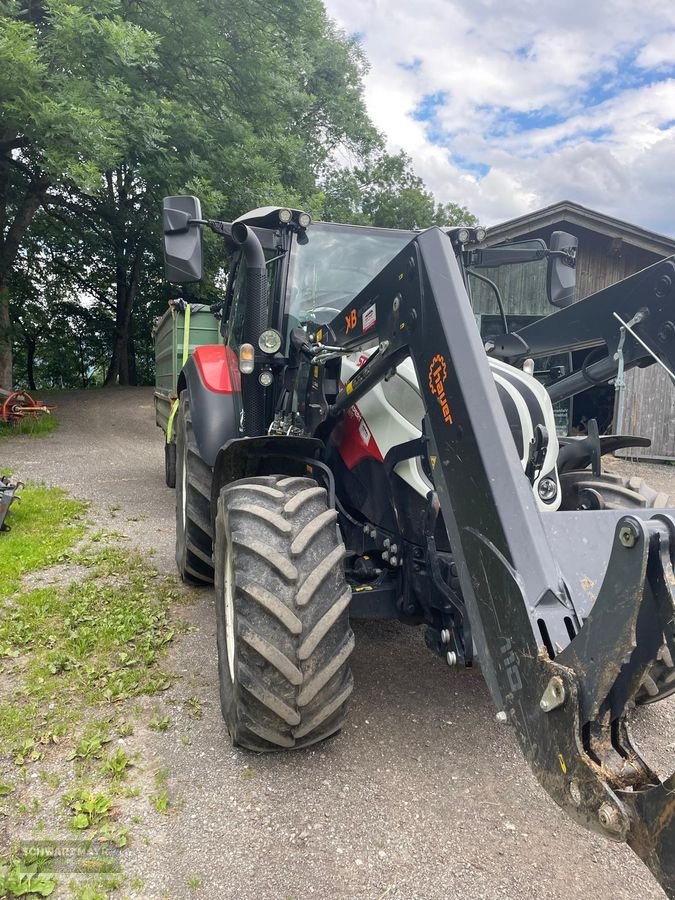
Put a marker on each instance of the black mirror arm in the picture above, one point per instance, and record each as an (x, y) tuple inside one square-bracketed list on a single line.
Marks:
[(568, 256)]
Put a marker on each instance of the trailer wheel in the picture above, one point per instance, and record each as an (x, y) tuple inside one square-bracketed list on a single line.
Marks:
[(282, 606), (170, 464), (194, 532), (583, 490)]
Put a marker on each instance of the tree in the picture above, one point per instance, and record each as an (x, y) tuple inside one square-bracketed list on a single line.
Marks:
[(113, 104), (243, 105), (385, 192), (64, 71)]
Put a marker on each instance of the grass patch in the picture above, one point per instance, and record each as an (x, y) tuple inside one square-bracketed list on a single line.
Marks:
[(45, 523), (96, 641), (72, 651), (35, 427)]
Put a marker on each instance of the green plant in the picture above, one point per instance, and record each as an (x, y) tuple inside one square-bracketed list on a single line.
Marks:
[(116, 765), (160, 801), (26, 752), (159, 723), (88, 809), (117, 835), (36, 427), (194, 882), (194, 707), (20, 878), (90, 746)]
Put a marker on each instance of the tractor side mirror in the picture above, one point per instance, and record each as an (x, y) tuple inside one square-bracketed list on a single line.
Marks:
[(561, 277), (182, 239)]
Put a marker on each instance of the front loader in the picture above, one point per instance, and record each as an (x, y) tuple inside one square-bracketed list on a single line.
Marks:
[(354, 449)]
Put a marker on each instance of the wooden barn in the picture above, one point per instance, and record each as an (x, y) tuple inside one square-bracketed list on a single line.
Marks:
[(609, 250)]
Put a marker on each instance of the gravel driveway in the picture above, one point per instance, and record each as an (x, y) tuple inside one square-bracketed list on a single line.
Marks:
[(423, 796)]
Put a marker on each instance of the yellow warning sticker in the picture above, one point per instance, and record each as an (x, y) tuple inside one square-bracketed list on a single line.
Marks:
[(562, 764), (433, 461), (349, 387), (319, 334)]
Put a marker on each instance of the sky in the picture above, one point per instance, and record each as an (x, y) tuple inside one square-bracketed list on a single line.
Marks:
[(508, 107)]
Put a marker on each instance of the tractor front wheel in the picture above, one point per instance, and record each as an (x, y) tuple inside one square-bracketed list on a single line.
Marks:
[(282, 606)]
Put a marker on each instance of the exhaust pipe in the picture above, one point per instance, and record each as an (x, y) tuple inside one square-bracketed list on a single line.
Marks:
[(255, 322)]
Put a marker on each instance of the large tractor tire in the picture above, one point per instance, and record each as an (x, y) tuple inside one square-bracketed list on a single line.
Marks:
[(194, 532), (584, 490), (282, 606)]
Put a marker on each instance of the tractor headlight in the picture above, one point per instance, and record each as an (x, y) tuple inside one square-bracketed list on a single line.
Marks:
[(481, 234), (285, 216), (463, 236), (270, 341), (246, 359), (304, 220), (265, 378)]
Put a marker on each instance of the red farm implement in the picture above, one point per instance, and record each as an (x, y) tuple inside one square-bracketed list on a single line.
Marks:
[(16, 406)]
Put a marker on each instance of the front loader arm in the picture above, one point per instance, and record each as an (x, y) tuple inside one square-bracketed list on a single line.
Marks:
[(562, 659)]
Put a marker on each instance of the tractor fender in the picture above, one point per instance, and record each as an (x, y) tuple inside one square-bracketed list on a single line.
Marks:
[(265, 455), (214, 392)]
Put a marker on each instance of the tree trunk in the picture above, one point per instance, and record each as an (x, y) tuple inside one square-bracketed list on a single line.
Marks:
[(30, 360), (120, 371), (5, 340), (10, 242)]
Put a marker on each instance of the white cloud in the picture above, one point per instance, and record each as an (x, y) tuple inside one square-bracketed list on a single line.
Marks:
[(567, 101)]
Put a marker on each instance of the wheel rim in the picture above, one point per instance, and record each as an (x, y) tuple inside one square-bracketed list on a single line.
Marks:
[(229, 611)]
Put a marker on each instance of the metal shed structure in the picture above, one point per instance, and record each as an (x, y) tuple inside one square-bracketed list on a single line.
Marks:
[(609, 250)]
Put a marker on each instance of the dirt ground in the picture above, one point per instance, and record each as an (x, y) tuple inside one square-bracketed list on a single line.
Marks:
[(424, 796)]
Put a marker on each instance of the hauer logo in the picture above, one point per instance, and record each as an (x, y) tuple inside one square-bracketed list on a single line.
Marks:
[(438, 372)]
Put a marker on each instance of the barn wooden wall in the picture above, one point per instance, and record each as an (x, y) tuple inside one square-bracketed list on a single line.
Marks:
[(649, 398)]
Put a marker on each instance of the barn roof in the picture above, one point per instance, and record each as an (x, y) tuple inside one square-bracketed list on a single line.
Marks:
[(566, 213)]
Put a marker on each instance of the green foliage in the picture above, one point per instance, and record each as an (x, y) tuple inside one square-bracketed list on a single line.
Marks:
[(115, 766), (97, 640), (38, 427), (108, 105), (159, 723), (385, 192), (88, 809), (91, 744), (21, 878), (45, 526), (160, 801)]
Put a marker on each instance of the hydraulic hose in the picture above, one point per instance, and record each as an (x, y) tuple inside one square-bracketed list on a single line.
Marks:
[(255, 322)]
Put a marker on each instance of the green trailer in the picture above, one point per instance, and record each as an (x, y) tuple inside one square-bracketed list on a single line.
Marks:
[(183, 327)]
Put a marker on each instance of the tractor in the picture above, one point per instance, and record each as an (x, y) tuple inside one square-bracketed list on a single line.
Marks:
[(350, 447)]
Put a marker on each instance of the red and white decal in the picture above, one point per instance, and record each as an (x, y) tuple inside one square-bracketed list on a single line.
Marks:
[(369, 318), (355, 440)]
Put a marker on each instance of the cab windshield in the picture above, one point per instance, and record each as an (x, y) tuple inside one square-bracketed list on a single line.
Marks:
[(335, 264)]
